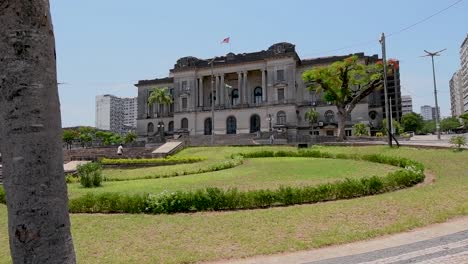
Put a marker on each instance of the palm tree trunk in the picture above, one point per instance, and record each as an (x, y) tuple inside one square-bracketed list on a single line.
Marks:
[(30, 135)]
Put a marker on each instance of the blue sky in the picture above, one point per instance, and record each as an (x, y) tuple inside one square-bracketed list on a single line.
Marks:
[(106, 46)]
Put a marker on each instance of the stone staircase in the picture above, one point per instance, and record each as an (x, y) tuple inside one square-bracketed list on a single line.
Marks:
[(224, 140), (167, 149)]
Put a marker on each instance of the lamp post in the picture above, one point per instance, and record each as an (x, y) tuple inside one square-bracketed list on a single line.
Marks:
[(213, 98), (432, 54), (161, 130), (387, 111)]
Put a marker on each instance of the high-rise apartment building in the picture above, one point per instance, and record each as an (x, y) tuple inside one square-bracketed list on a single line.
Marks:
[(456, 95), (464, 72), (115, 114), (426, 112), (406, 104)]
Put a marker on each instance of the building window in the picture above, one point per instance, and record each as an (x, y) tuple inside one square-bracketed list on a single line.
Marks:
[(150, 128), (231, 125), (372, 115), (184, 123), (170, 127), (280, 75), (235, 97), (329, 116), (348, 132), (281, 118), (184, 103), (258, 95), (184, 86), (280, 92), (208, 125), (254, 123)]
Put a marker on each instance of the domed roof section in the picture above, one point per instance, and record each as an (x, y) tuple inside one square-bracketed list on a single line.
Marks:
[(188, 61), (230, 56), (282, 47)]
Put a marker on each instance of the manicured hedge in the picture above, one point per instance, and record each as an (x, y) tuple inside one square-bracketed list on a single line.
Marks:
[(216, 199), (2, 196), (168, 161)]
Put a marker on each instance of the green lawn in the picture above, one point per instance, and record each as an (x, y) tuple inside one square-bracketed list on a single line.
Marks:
[(264, 173), (188, 238), (213, 154)]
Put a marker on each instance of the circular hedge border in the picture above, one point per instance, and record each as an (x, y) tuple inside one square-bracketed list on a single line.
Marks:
[(217, 199)]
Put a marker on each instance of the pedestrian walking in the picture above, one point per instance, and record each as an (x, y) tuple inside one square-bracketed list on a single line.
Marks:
[(120, 150)]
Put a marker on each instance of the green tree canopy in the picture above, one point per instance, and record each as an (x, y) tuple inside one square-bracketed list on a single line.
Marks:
[(360, 129), (312, 116), (412, 122), (69, 135), (130, 137), (464, 118), (344, 83), (449, 123), (160, 96)]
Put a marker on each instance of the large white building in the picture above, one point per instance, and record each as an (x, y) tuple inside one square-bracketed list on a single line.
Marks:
[(464, 71), (116, 114), (456, 95), (426, 112), (253, 93), (406, 104)]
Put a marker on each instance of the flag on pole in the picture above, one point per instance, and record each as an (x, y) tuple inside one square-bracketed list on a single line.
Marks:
[(226, 40)]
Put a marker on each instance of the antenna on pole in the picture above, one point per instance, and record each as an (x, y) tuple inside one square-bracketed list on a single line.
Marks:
[(432, 55)]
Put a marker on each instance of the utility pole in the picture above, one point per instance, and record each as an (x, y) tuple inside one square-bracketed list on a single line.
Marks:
[(432, 54), (387, 114), (212, 102)]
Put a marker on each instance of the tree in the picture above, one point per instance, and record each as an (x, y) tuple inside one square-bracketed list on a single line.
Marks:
[(31, 136), (464, 118), (449, 123), (360, 129), (312, 116), (86, 135), (429, 127), (412, 122), (130, 137), (161, 96), (345, 83), (396, 126), (68, 136), (458, 142)]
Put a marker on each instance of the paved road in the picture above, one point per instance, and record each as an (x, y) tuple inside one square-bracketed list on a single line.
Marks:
[(449, 249), (445, 243)]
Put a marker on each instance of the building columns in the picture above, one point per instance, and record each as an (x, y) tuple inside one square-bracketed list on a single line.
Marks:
[(239, 87), (222, 91), (216, 90), (263, 86), (245, 88)]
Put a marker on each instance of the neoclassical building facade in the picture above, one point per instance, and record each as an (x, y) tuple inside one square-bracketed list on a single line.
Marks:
[(251, 92)]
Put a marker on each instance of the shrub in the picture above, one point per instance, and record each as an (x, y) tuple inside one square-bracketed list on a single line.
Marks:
[(165, 161), (108, 203), (360, 129), (90, 174), (379, 134), (458, 142), (2, 196)]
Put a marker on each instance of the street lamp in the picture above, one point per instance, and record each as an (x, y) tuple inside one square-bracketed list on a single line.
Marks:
[(161, 130), (212, 98), (432, 54)]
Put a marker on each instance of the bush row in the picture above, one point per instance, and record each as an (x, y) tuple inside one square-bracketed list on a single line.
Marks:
[(234, 161), (377, 158), (2, 196), (169, 161), (215, 199)]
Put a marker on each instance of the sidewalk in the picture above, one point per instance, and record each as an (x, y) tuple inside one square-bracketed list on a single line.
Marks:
[(439, 243)]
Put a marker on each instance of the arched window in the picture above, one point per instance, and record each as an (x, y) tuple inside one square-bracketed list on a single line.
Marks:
[(184, 123), (329, 116), (254, 123), (208, 126), (231, 125), (281, 118), (235, 97), (373, 115), (160, 127), (170, 126), (258, 95), (150, 128)]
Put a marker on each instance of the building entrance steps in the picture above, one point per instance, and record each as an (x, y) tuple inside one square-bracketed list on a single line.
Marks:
[(168, 148)]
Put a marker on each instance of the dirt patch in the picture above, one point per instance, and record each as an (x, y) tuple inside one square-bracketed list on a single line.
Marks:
[(429, 178)]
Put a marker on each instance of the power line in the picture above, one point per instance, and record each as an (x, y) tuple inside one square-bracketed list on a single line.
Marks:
[(365, 43)]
